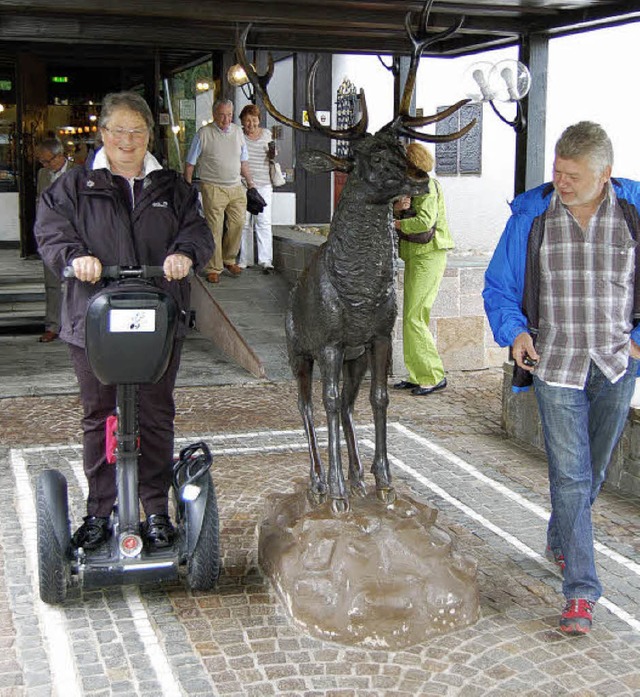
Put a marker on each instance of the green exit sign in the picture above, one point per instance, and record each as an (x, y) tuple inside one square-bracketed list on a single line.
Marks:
[(59, 78), (6, 85)]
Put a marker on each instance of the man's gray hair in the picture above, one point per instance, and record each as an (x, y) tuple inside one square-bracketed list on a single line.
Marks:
[(52, 145), (586, 139), (220, 102), (125, 100)]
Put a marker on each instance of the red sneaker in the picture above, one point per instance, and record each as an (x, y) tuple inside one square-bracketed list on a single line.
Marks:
[(577, 617)]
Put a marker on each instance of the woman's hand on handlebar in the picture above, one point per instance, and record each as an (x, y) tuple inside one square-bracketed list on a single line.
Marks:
[(176, 266), (87, 269)]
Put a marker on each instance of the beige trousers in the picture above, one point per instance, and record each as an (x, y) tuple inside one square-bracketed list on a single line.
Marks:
[(220, 202)]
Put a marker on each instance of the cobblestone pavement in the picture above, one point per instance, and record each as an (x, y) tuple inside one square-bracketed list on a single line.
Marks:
[(447, 449)]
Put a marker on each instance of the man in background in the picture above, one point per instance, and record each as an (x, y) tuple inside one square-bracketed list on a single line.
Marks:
[(50, 154), (220, 151)]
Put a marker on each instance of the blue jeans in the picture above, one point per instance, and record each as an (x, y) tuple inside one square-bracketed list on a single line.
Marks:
[(581, 429)]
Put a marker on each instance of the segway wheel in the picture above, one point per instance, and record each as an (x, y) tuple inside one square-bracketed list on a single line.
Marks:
[(203, 564), (54, 536)]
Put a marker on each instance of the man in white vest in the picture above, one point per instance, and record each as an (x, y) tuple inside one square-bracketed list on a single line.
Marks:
[(220, 151)]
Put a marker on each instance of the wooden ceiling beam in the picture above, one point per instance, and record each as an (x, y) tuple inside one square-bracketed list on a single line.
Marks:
[(361, 26), (208, 38)]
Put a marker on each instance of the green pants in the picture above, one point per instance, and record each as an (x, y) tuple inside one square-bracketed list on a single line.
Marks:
[(422, 277)]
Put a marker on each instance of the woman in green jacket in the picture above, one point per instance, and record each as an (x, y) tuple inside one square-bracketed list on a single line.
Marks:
[(424, 242)]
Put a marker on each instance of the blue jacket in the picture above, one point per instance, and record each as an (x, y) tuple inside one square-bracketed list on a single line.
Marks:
[(504, 291)]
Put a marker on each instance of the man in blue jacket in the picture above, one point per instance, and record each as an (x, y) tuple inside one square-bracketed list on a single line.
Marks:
[(563, 290)]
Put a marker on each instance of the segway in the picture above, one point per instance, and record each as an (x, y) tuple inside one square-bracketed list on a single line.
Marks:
[(130, 329)]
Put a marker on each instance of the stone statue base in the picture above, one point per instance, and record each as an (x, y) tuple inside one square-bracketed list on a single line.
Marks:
[(379, 576)]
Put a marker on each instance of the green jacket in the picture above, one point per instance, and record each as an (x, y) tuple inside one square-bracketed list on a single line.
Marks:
[(429, 211)]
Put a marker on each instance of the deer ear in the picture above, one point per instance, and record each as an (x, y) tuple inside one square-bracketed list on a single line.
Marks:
[(317, 161)]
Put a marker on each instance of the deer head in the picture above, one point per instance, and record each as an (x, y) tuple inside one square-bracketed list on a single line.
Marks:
[(381, 156)]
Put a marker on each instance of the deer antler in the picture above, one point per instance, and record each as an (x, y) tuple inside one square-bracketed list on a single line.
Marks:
[(404, 123), (352, 132), (420, 40), (260, 83), (431, 137)]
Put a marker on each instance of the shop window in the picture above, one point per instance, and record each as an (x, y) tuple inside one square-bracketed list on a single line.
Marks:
[(188, 97)]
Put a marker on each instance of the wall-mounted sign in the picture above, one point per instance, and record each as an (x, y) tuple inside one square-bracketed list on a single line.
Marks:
[(462, 156), (59, 78), (6, 85)]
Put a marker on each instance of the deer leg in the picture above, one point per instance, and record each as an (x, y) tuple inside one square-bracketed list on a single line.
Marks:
[(380, 355), (352, 374), (331, 367), (317, 481)]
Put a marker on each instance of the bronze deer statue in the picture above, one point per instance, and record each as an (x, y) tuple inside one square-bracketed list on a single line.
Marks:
[(342, 310)]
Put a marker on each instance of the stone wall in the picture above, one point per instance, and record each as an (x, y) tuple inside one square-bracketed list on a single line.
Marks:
[(458, 322), (292, 250), (521, 422)]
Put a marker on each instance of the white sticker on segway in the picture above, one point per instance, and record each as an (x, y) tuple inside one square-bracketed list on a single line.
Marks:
[(132, 321)]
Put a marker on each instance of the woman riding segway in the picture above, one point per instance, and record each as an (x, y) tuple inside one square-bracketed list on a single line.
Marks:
[(123, 209)]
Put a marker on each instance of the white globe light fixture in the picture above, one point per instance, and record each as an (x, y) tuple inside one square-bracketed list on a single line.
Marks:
[(505, 81)]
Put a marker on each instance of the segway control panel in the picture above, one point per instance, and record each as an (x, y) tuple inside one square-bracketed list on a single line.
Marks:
[(129, 333)]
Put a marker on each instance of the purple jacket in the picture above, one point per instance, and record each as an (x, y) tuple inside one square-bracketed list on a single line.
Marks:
[(87, 212)]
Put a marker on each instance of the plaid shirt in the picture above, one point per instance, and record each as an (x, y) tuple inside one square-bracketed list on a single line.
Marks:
[(586, 294)]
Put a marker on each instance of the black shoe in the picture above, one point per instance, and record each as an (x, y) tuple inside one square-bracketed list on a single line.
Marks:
[(419, 391), (158, 531), (405, 385), (92, 533), (267, 270)]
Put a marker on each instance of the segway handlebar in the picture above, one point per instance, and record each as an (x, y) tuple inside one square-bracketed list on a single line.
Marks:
[(114, 273)]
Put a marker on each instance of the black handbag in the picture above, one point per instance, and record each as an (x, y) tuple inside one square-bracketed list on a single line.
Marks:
[(418, 237), (255, 203)]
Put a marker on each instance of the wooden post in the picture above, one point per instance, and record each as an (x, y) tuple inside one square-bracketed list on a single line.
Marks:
[(530, 145)]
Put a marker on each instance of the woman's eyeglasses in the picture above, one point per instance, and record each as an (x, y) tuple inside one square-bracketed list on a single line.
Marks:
[(138, 135)]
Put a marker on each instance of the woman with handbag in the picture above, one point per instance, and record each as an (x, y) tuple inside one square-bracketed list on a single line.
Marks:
[(261, 150), (424, 240)]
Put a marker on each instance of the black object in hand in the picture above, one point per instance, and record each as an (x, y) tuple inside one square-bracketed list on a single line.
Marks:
[(255, 203), (527, 360)]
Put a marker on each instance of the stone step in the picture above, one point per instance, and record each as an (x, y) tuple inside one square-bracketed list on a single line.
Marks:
[(35, 304), (22, 322), (10, 277), (20, 301), (22, 286)]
